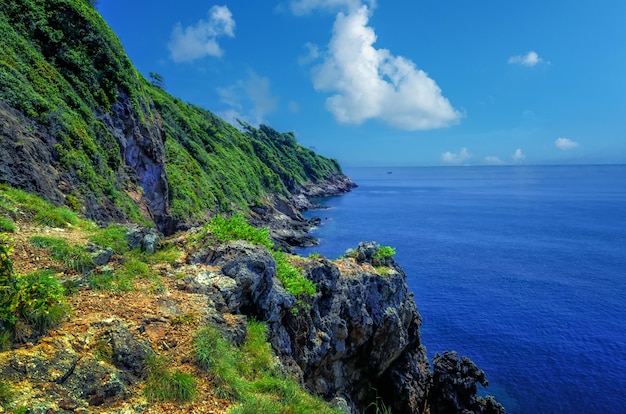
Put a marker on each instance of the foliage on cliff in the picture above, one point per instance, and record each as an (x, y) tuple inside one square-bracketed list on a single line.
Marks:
[(64, 69)]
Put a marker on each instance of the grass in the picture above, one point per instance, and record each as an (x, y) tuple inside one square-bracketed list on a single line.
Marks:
[(44, 213), (74, 257), (165, 384), (113, 236), (248, 376), (7, 225), (123, 278)]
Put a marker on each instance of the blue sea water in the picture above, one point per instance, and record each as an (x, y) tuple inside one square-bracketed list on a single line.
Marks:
[(521, 268)]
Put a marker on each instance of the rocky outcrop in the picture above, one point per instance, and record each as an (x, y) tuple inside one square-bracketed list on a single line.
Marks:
[(356, 340), (454, 387), (283, 216)]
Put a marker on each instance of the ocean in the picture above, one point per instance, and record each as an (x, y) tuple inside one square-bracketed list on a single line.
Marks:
[(521, 268)]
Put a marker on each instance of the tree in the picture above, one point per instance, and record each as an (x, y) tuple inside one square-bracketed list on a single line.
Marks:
[(157, 80)]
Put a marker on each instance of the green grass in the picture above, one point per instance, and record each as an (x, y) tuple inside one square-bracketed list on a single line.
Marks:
[(113, 236), (122, 279), (248, 376), (74, 257), (44, 213), (165, 384), (37, 299), (7, 225)]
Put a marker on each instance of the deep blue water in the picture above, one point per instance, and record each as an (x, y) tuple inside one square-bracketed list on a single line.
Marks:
[(523, 269)]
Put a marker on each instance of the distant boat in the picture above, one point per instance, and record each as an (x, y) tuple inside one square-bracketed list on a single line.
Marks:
[(389, 172)]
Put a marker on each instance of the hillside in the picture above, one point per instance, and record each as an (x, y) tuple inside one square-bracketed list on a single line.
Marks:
[(82, 128)]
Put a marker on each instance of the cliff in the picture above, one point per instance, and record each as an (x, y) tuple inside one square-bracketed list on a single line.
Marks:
[(83, 129)]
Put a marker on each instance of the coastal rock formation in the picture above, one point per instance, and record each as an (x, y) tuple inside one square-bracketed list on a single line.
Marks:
[(357, 340)]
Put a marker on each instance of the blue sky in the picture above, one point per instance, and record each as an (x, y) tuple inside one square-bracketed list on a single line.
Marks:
[(449, 82)]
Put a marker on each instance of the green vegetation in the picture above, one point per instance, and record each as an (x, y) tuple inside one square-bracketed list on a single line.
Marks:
[(6, 394), (248, 376), (7, 225), (113, 236), (237, 228), (12, 200), (123, 278), (385, 252), (164, 384), (74, 257), (36, 299)]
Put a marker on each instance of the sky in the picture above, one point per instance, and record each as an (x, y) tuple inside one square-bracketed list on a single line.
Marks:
[(398, 83)]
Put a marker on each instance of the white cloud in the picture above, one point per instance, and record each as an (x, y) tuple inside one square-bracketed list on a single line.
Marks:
[(518, 156), (369, 83), (529, 59), (302, 7), (565, 144), (452, 158), (492, 160), (249, 100), (200, 40)]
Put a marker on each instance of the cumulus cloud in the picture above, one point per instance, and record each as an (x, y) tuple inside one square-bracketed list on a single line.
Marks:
[(249, 100), (518, 156), (369, 83), (565, 144), (453, 158), (200, 40), (529, 59), (493, 160)]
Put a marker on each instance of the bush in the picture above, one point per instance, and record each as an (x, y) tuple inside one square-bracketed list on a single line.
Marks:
[(237, 228), (385, 252)]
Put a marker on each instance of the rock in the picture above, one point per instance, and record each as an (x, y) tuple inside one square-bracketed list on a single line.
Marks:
[(143, 238), (454, 387), (129, 354), (354, 335), (101, 256)]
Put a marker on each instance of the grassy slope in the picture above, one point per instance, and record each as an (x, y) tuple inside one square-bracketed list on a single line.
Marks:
[(61, 65)]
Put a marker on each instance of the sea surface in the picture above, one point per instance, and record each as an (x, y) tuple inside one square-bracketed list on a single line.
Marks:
[(521, 268)]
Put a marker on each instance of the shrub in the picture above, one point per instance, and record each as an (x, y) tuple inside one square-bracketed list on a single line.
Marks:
[(237, 228), (385, 252), (6, 394), (292, 279), (37, 298)]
